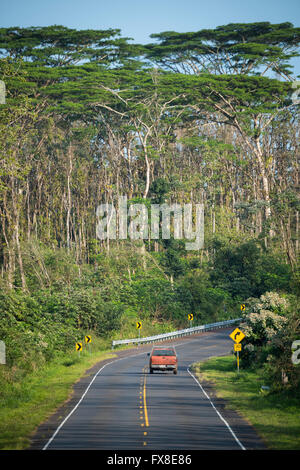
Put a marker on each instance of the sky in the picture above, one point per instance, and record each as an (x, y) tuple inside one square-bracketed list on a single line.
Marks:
[(138, 19)]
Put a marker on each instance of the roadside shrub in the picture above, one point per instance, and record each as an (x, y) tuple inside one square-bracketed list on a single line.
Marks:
[(279, 368), (260, 327), (270, 301)]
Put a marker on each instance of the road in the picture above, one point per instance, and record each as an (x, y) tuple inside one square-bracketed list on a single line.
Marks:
[(124, 407)]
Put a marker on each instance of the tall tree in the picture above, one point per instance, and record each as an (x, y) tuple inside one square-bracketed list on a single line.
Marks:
[(236, 91), (236, 48)]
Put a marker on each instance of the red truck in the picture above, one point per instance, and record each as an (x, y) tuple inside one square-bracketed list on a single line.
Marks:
[(163, 358)]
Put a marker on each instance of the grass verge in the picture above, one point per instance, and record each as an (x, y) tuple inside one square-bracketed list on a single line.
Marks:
[(27, 403), (274, 415)]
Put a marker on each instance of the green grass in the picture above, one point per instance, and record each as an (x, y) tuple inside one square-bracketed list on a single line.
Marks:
[(274, 415), (27, 403)]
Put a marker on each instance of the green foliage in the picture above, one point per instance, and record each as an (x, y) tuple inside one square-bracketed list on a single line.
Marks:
[(154, 298), (159, 189), (208, 303), (228, 49), (172, 257), (246, 270)]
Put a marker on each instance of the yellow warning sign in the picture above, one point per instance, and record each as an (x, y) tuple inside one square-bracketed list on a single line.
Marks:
[(237, 335)]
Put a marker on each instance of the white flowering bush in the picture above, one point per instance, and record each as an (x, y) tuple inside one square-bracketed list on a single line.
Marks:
[(279, 367), (270, 301), (270, 329), (261, 326)]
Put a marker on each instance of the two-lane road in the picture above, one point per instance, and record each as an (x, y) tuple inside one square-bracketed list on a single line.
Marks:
[(124, 407)]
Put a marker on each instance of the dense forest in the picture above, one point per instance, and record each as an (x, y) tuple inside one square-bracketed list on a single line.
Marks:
[(206, 117)]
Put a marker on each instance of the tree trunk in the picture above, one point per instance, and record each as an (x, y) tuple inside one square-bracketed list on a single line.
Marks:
[(69, 197)]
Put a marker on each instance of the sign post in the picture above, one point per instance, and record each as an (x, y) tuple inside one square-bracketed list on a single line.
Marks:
[(191, 317), (88, 340), (238, 348), (139, 326), (237, 336)]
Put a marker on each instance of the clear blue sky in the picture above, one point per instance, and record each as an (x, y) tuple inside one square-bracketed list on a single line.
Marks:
[(138, 18)]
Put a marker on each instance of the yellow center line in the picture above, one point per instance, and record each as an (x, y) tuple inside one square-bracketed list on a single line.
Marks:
[(145, 404)]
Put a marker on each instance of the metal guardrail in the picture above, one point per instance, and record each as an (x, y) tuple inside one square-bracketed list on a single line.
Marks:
[(177, 334)]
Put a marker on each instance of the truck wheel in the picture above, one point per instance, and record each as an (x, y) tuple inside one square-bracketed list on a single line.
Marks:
[(151, 370), (175, 371)]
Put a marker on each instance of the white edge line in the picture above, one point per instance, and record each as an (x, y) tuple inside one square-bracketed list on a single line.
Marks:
[(219, 414)]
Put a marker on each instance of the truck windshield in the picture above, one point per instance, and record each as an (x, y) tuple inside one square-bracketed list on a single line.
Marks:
[(163, 352)]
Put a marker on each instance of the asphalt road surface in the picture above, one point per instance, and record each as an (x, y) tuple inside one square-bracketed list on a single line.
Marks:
[(124, 407)]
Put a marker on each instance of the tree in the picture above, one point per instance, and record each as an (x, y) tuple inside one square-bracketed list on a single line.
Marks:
[(236, 48), (149, 111), (18, 121)]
